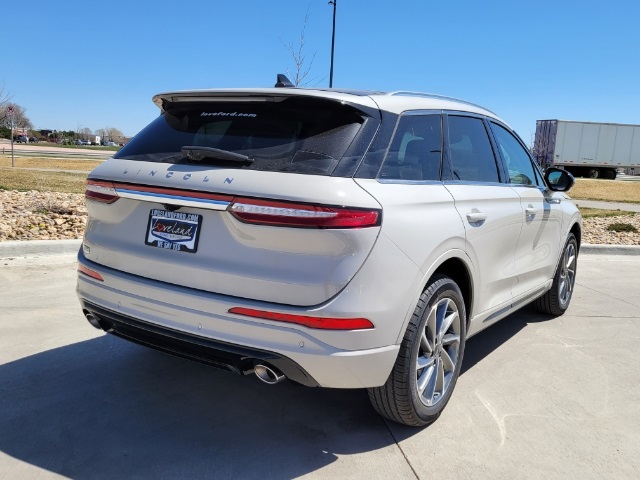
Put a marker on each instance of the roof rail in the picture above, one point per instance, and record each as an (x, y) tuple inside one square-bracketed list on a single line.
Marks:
[(435, 96)]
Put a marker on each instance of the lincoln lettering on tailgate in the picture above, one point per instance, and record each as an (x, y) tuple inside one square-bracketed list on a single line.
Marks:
[(177, 231)]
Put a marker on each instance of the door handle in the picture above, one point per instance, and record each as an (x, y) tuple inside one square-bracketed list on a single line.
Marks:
[(530, 211), (475, 217)]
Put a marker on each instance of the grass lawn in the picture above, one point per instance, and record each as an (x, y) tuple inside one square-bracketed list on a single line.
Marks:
[(16, 179), (597, 212), (51, 163), (607, 190)]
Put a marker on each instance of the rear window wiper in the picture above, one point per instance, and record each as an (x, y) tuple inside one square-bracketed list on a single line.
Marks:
[(198, 154)]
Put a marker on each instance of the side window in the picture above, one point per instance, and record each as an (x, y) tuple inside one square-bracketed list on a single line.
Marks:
[(470, 151), (415, 150), (521, 171)]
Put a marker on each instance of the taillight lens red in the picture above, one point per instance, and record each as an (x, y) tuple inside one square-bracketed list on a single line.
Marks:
[(268, 212), (322, 323), (104, 192), (90, 273)]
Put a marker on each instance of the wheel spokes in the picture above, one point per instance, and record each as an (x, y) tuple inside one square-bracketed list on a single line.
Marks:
[(446, 324), (437, 357), (450, 338), (567, 274), (427, 366), (431, 327), (427, 347), (448, 363)]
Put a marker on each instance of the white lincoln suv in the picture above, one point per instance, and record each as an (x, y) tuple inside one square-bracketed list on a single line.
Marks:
[(342, 239)]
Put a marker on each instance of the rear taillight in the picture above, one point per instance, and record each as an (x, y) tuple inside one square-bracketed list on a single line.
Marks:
[(268, 212), (90, 273), (104, 192), (321, 323)]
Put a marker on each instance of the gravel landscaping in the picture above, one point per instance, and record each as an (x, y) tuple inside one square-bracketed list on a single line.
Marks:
[(52, 216), (41, 215)]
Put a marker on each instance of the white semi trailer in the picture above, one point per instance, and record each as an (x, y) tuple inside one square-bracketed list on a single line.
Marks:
[(595, 150)]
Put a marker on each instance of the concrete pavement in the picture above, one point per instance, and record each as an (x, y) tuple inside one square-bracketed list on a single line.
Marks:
[(538, 398)]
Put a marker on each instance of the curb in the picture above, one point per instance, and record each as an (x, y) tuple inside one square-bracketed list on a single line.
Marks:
[(589, 249), (24, 248)]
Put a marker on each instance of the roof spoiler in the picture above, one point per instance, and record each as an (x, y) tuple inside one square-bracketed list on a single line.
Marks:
[(283, 82)]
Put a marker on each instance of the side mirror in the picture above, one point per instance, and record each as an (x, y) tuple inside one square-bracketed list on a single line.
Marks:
[(558, 180)]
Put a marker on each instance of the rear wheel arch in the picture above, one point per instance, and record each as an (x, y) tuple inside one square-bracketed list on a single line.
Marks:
[(453, 264), (456, 269), (577, 231)]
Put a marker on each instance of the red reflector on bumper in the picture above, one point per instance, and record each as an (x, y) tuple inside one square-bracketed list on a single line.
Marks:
[(90, 273), (321, 323)]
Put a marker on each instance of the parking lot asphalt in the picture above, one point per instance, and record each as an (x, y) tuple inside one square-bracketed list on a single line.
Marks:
[(538, 397)]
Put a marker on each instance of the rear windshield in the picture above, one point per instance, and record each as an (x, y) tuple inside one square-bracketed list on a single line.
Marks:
[(298, 135)]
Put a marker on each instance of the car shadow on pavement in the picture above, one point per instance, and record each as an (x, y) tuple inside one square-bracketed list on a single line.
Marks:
[(482, 344), (105, 408)]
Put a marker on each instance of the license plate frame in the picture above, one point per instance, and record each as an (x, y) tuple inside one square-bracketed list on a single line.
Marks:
[(173, 230)]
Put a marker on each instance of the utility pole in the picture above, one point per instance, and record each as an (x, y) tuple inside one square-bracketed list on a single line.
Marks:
[(333, 40), (10, 112)]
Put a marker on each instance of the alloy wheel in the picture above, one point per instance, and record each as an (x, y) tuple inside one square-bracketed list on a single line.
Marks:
[(567, 274), (439, 352)]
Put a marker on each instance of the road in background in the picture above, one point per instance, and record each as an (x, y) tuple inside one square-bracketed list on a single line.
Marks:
[(538, 398), (45, 149)]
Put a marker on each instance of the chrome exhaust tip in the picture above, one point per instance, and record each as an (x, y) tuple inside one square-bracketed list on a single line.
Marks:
[(269, 375), (92, 319)]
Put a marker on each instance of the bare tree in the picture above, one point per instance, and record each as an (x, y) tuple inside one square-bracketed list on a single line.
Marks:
[(299, 57), (114, 134), (4, 96), (20, 119), (110, 133)]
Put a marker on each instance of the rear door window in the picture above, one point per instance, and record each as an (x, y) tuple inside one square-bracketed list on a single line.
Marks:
[(415, 152), (298, 135), (470, 151)]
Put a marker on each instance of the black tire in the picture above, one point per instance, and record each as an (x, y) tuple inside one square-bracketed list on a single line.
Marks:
[(610, 174), (593, 173), (400, 398), (556, 300)]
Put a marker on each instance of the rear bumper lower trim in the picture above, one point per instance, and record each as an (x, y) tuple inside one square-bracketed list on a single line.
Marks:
[(226, 356)]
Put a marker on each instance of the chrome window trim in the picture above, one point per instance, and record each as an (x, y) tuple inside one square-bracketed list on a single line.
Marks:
[(386, 181), (484, 184)]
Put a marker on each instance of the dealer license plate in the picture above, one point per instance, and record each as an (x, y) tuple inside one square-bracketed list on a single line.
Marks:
[(177, 231)]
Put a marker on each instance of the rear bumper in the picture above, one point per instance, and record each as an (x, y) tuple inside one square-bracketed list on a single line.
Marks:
[(225, 356), (196, 325)]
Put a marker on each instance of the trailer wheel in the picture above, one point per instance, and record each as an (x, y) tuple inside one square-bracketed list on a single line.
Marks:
[(609, 174), (593, 173)]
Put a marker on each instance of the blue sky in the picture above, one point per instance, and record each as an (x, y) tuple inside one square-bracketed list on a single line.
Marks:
[(97, 64)]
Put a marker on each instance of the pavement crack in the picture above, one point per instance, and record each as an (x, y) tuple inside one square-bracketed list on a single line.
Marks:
[(386, 424), (609, 295)]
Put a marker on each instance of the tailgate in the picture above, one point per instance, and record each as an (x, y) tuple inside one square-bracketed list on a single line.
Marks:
[(180, 229)]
